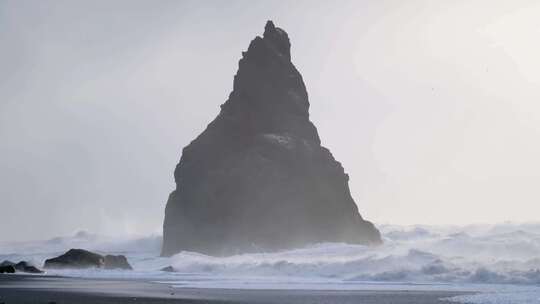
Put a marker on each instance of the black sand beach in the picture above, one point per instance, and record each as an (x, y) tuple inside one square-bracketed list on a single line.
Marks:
[(19, 289)]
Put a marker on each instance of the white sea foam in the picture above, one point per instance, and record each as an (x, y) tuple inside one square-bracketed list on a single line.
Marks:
[(477, 257), (501, 294)]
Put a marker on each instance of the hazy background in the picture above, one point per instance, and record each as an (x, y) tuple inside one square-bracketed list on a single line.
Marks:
[(432, 106)]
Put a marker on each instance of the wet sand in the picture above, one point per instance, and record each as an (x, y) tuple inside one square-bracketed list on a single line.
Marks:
[(22, 289)]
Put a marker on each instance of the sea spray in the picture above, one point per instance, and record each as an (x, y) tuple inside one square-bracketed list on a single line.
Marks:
[(501, 254)]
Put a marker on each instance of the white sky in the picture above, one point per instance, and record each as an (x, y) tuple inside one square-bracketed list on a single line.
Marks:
[(432, 106)]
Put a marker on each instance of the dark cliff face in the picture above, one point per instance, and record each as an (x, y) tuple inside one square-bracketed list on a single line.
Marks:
[(258, 179)]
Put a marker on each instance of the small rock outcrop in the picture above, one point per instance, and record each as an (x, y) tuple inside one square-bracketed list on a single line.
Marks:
[(116, 262), (258, 179), (80, 259), (167, 269), (76, 258), (22, 266), (7, 269)]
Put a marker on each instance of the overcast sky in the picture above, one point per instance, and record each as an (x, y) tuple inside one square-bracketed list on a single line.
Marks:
[(433, 107)]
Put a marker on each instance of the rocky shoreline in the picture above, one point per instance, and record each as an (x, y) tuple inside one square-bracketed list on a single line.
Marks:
[(72, 259)]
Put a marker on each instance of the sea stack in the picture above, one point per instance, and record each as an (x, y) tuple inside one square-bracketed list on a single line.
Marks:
[(258, 179)]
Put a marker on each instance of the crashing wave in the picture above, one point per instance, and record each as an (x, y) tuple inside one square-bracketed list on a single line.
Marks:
[(497, 254)]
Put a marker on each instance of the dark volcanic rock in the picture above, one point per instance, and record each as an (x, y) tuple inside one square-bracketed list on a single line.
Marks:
[(167, 269), (80, 258), (7, 269), (76, 258), (25, 267), (258, 178), (117, 262), (22, 266)]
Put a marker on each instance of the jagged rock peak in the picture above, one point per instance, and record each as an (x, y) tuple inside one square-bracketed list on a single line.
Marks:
[(278, 38), (269, 94)]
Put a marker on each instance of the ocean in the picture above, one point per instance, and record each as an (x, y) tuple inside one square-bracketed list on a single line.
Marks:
[(501, 262)]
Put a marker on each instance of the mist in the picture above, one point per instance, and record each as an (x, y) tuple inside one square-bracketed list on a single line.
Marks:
[(431, 107)]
